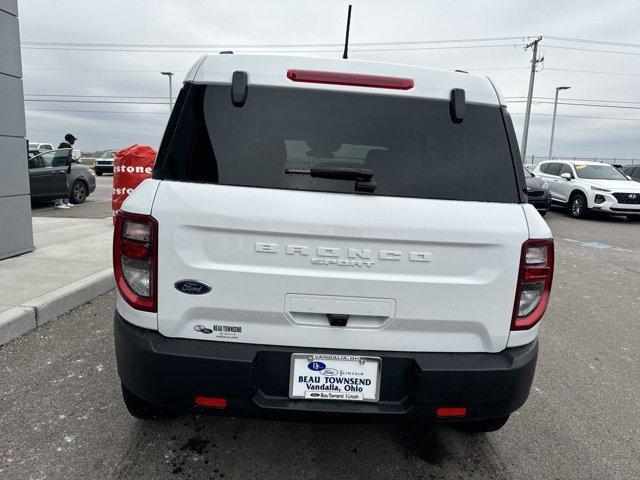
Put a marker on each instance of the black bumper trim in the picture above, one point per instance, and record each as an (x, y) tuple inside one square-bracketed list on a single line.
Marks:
[(255, 378)]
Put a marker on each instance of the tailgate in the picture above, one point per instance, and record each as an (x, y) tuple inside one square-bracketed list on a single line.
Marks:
[(326, 270)]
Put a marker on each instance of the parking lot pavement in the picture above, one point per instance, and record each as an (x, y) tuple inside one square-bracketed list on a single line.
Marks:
[(97, 204), (61, 415)]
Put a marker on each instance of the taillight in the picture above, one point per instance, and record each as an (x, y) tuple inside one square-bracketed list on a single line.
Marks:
[(352, 79), (534, 283), (135, 254)]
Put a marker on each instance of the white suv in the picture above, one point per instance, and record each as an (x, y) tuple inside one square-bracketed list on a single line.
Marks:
[(584, 186), (327, 237)]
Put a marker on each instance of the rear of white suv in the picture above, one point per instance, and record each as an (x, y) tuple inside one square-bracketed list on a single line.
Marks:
[(329, 237)]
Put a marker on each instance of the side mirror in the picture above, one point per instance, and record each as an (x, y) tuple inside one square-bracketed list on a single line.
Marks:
[(567, 176)]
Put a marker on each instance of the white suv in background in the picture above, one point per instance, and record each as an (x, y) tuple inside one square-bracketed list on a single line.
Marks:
[(584, 186), (304, 250)]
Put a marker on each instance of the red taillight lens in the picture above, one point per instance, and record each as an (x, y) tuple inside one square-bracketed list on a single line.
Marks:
[(352, 79), (534, 283), (135, 252)]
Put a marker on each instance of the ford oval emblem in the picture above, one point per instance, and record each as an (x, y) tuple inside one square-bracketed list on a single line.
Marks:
[(316, 366), (192, 287)]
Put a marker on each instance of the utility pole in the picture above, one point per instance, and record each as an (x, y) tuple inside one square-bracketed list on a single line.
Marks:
[(534, 62), (553, 122), (169, 74)]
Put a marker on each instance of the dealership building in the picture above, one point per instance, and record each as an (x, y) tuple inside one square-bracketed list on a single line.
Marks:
[(16, 235)]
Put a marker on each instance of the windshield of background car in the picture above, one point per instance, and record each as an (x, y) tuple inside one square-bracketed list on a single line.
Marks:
[(108, 154), (411, 145), (598, 172)]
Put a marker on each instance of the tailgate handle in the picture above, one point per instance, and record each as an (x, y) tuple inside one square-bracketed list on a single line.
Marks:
[(337, 319)]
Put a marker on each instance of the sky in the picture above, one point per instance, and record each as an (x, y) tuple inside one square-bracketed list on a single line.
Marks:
[(92, 74)]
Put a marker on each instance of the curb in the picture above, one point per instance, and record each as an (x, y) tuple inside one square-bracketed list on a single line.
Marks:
[(17, 321)]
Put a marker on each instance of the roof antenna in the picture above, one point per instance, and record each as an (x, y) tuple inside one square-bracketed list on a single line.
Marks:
[(346, 40)]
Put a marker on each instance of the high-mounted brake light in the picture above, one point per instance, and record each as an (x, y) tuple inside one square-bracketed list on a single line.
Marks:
[(352, 79), (534, 283), (135, 255)]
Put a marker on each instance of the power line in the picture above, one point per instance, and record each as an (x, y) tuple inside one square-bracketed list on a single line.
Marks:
[(593, 71), (89, 96), (575, 99), (546, 45), (266, 45), (93, 111), (577, 104), (600, 42), (96, 101), (62, 69), (579, 116), (392, 49)]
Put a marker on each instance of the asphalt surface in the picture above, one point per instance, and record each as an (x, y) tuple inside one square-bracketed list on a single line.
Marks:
[(97, 204), (61, 414)]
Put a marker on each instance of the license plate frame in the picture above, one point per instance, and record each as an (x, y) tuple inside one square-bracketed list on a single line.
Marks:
[(366, 365)]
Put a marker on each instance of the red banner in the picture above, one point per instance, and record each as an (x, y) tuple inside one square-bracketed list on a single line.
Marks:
[(131, 165)]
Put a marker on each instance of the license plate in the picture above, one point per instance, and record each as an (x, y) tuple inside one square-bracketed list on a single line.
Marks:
[(335, 377)]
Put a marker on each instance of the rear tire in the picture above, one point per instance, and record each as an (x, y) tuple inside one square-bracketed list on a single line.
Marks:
[(577, 205), (142, 409), (484, 426)]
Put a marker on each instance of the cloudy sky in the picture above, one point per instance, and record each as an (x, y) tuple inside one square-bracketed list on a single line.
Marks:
[(77, 77)]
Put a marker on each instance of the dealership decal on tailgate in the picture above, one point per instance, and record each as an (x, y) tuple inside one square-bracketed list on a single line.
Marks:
[(335, 377)]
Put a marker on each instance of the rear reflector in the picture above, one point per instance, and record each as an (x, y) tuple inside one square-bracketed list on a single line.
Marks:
[(452, 412), (352, 79), (211, 402)]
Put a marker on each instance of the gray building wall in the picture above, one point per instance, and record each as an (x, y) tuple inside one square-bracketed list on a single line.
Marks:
[(16, 235)]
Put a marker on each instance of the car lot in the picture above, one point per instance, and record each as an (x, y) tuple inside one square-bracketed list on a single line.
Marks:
[(97, 205), (63, 417)]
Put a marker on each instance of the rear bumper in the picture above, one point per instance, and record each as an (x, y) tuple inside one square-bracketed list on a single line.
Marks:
[(255, 378), (541, 204)]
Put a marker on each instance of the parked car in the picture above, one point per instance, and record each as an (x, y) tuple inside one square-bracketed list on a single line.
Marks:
[(632, 172), (301, 254), (51, 177), (584, 186), (537, 192), (104, 164), (40, 147)]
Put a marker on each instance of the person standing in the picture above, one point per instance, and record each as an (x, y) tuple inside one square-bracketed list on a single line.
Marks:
[(68, 143)]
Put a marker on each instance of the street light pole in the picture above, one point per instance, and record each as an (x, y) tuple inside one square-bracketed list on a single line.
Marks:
[(169, 74), (553, 122)]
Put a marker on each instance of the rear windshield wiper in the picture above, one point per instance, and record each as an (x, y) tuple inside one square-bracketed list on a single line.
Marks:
[(335, 173), (362, 176)]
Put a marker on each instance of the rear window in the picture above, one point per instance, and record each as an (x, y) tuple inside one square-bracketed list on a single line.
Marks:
[(411, 145)]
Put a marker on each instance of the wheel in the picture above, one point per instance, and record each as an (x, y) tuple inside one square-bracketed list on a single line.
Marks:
[(142, 409), (99, 173), (483, 426), (79, 192), (577, 205)]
